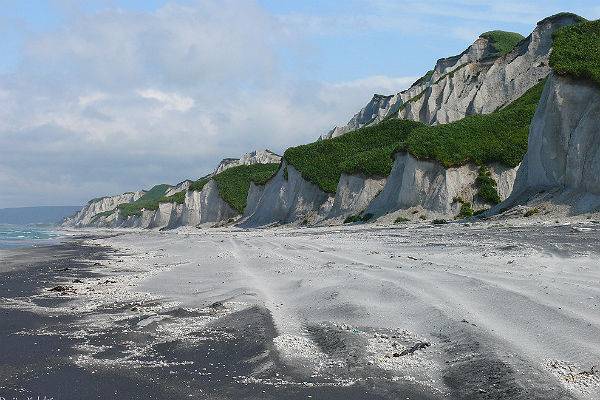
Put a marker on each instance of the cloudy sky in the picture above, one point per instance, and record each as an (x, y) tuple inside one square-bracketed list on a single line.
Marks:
[(101, 97)]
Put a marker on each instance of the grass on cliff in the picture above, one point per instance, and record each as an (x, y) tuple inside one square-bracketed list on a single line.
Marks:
[(560, 15), (424, 79), (234, 183), (367, 150), (178, 198), (500, 136), (149, 201), (576, 51), (503, 42), (487, 186), (198, 185), (103, 214)]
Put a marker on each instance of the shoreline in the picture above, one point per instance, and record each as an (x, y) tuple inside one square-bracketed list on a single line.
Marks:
[(422, 312)]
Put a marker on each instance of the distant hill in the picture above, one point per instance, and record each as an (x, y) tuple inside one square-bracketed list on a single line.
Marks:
[(36, 215)]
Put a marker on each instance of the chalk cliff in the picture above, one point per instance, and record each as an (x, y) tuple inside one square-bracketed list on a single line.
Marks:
[(563, 158), (254, 157), (286, 198), (562, 163), (98, 206), (477, 81), (440, 190)]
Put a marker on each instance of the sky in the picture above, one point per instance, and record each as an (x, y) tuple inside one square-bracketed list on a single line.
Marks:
[(100, 97)]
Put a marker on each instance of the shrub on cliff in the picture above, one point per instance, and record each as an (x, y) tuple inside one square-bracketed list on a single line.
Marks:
[(503, 42), (367, 150), (149, 201), (576, 51), (234, 183), (500, 136)]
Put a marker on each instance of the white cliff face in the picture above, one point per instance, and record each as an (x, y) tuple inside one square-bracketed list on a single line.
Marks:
[(429, 185), (481, 87), (563, 155), (254, 157), (480, 50), (87, 213), (253, 200), (285, 200), (412, 183), (178, 188), (473, 82), (353, 195), (563, 151), (206, 206), (203, 207)]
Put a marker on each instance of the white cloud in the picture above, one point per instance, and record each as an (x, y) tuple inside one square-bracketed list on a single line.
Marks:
[(170, 101), (91, 98), (119, 100), (344, 99), (431, 18)]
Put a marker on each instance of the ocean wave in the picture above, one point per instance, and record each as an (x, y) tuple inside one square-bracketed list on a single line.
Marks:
[(24, 236)]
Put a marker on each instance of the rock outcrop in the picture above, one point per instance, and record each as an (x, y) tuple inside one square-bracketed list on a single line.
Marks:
[(254, 157), (286, 198), (353, 195), (412, 183), (562, 163), (427, 184), (178, 188), (199, 207), (477, 81), (563, 156), (94, 207), (373, 112)]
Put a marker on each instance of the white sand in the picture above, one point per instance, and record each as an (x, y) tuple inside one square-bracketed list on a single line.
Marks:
[(529, 296)]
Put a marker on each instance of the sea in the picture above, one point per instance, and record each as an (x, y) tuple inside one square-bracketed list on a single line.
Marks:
[(19, 236)]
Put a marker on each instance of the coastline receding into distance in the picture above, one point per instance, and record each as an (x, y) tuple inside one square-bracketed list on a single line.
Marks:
[(443, 244)]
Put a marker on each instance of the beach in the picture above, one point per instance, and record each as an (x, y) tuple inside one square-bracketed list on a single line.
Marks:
[(417, 311)]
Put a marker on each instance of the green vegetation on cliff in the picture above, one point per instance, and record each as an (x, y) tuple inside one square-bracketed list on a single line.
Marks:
[(178, 198), (560, 15), (367, 150), (234, 183), (487, 186), (149, 201), (198, 185), (424, 79), (102, 214), (576, 51), (503, 42), (500, 136)]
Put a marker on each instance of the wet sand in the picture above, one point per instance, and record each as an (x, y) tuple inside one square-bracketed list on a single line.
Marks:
[(417, 312)]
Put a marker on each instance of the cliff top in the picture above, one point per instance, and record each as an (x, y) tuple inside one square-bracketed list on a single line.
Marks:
[(562, 15), (502, 41), (576, 51)]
